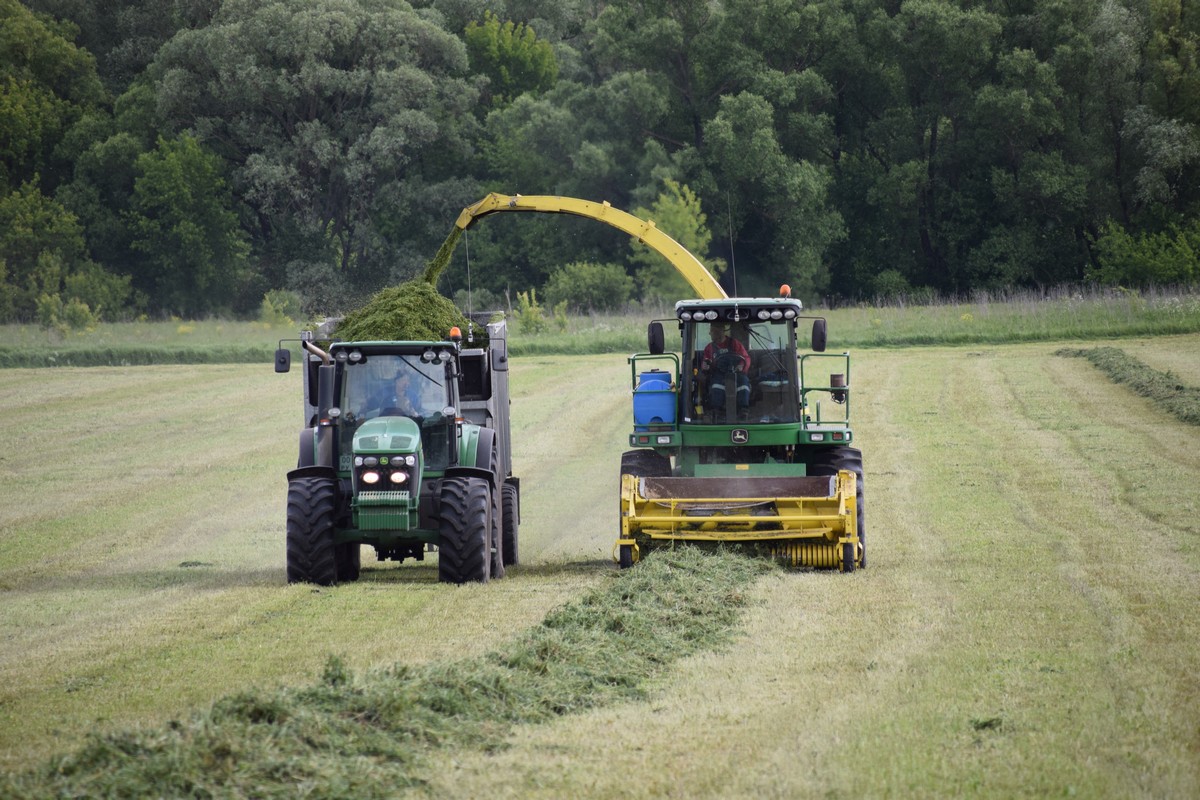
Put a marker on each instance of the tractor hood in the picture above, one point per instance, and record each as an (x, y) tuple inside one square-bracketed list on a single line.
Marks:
[(388, 434)]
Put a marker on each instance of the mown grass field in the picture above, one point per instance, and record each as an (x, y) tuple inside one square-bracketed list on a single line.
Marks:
[(1028, 626)]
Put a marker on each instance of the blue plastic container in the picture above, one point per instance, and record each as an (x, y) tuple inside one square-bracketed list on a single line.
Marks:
[(653, 401)]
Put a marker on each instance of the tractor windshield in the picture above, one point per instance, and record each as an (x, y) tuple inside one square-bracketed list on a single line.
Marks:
[(404, 386), (742, 372)]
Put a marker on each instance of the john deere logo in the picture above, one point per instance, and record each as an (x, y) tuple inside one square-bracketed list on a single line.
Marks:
[(739, 436)]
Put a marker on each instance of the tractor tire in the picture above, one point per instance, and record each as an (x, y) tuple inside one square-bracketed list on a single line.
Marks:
[(487, 457), (511, 519), (497, 533), (311, 551), (829, 461), (464, 521), (349, 561)]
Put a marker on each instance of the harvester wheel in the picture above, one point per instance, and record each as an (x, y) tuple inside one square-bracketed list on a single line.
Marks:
[(311, 551), (625, 556), (512, 518), (847, 557), (829, 461), (349, 561), (464, 553)]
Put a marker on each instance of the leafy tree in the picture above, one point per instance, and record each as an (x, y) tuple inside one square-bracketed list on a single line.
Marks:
[(183, 224), (321, 108), (778, 204), (676, 213), (46, 84), (512, 57)]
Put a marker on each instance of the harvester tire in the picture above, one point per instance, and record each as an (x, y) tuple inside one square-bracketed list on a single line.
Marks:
[(464, 520), (625, 556), (349, 561), (829, 461), (311, 551), (511, 501)]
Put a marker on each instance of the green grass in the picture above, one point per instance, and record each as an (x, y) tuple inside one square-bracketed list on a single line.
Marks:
[(1027, 628), (364, 735), (1007, 318), (1163, 388)]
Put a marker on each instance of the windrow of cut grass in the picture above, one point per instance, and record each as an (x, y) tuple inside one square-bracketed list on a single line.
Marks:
[(985, 319), (365, 735), (1163, 388)]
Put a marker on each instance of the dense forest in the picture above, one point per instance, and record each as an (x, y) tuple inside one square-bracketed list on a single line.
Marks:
[(192, 157)]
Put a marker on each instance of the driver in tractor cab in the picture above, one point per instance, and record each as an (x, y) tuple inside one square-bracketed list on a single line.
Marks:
[(722, 356), (405, 395)]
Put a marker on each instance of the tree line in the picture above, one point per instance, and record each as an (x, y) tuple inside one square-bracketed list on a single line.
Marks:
[(190, 157)]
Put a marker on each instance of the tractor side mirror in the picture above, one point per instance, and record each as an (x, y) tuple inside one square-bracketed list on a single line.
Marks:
[(818, 336), (283, 359), (654, 338)]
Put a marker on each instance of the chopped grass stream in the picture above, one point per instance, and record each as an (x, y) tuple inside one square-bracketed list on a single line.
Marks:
[(366, 735)]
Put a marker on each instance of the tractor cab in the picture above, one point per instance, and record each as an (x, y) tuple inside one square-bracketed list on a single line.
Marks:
[(392, 398)]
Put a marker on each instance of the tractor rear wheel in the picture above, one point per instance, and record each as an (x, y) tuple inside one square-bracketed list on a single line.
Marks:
[(829, 461), (464, 521), (311, 551), (512, 517)]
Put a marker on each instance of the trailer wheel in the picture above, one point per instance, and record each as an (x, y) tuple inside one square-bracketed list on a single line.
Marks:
[(512, 518), (496, 533), (311, 552), (464, 523), (830, 460)]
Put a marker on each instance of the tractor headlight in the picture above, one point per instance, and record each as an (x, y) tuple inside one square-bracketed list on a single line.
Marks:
[(410, 461), (370, 477), (399, 477)]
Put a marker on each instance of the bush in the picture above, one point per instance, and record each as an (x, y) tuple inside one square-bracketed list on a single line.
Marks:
[(530, 317), (586, 286), (1166, 258), (280, 307)]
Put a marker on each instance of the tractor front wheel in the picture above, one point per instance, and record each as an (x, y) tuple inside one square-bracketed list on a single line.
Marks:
[(311, 551), (464, 521)]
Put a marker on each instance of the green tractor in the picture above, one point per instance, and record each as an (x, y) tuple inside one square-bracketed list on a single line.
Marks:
[(406, 447)]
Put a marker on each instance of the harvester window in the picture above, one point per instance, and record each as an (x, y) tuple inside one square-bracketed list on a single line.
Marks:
[(743, 373)]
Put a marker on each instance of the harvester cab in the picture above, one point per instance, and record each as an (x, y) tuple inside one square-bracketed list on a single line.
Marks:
[(739, 438), (405, 448)]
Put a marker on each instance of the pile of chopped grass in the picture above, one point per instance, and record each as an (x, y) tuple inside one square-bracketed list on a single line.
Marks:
[(368, 735), (412, 312)]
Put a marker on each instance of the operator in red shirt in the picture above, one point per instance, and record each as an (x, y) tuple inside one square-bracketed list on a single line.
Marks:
[(723, 356)]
